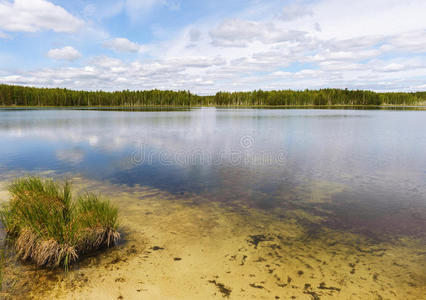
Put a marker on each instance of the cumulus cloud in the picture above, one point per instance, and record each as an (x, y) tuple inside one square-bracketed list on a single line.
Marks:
[(36, 15), (65, 53), (208, 75), (106, 72), (413, 41), (397, 64), (393, 67), (122, 45), (238, 33), (330, 55)]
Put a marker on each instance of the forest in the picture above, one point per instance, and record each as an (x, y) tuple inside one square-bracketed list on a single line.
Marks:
[(13, 95)]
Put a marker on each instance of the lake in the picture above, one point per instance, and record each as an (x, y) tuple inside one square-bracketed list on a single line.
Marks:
[(290, 202)]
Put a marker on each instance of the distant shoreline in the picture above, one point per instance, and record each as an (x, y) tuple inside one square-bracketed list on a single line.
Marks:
[(125, 107)]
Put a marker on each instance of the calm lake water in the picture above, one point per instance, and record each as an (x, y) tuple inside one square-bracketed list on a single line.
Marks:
[(361, 170), (232, 203)]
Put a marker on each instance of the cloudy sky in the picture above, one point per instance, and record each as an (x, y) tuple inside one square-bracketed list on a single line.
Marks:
[(211, 45)]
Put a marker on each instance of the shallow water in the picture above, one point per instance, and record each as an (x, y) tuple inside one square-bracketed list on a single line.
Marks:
[(255, 202)]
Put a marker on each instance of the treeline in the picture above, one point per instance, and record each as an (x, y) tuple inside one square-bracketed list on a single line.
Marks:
[(30, 96), (11, 95), (319, 97)]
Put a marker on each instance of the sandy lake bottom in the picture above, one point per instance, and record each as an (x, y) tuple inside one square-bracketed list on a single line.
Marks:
[(185, 247)]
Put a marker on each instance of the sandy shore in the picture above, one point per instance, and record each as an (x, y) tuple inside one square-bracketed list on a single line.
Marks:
[(184, 247)]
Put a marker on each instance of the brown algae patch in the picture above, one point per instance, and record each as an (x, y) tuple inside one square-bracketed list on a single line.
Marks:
[(225, 253)]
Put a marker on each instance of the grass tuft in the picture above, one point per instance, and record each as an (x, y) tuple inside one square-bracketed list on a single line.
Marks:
[(51, 228)]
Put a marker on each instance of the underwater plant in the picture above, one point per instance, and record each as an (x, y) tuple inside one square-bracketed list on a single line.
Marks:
[(51, 228)]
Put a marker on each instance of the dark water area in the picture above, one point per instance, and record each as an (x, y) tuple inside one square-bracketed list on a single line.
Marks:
[(358, 170)]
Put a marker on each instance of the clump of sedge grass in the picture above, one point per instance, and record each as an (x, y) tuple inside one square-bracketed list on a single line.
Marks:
[(51, 228)]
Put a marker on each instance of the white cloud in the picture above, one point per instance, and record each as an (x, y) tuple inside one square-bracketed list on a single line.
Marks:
[(73, 156), (194, 35), (208, 75), (65, 53), (393, 67), (237, 33), (343, 19), (330, 55), (36, 15), (317, 27), (293, 12), (122, 45), (414, 41), (397, 64)]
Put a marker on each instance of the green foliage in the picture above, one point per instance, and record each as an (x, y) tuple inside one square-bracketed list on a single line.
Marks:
[(43, 206), (30, 96), (52, 229), (95, 213)]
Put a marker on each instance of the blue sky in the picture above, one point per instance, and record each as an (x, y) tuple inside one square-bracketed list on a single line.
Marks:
[(207, 46)]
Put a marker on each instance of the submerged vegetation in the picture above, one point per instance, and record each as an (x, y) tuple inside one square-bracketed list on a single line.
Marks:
[(30, 96), (51, 228)]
